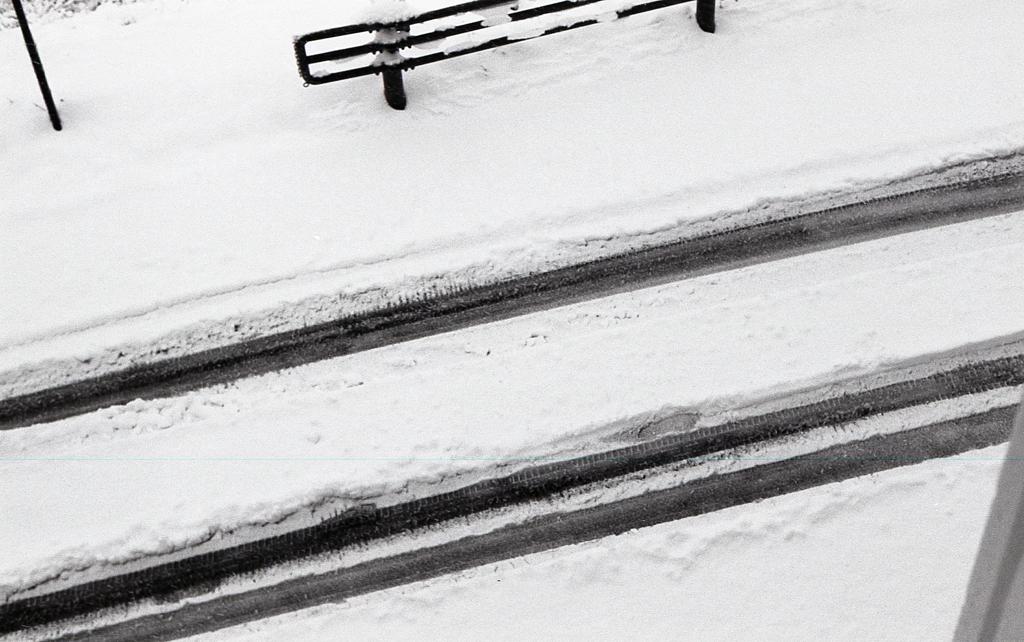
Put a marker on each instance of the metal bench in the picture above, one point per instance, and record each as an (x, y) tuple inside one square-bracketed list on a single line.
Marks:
[(502, 22)]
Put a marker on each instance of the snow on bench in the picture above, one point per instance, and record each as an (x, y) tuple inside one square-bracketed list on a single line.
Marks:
[(458, 30)]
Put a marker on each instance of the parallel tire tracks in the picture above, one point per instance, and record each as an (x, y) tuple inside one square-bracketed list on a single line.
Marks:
[(200, 574), (706, 495)]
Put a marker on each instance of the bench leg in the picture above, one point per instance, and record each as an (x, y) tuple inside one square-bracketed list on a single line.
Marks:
[(394, 88), (706, 15)]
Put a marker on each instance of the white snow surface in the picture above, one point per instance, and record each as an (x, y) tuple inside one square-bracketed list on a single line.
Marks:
[(152, 477), (196, 179), (885, 557), (387, 11), (194, 166)]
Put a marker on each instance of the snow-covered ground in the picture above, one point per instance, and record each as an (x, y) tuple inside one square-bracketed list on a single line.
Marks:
[(197, 183), (195, 170)]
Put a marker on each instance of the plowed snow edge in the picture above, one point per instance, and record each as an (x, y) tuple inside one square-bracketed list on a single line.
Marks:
[(437, 312)]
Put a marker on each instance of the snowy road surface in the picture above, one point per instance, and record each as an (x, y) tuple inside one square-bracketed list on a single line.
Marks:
[(885, 558), (154, 476), (52, 390), (198, 185)]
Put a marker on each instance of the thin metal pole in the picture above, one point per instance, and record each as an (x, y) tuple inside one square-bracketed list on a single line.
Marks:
[(37, 65)]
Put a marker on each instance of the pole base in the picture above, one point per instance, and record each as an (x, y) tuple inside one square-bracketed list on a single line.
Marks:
[(394, 88), (706, 15)]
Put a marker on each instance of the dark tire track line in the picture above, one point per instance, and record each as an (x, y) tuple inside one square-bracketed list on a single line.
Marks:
[(713, 493), (694, 257), (201, 573)]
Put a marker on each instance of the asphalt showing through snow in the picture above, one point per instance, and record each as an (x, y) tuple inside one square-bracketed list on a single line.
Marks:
[(722, 251), (561, 529), (200, 574)]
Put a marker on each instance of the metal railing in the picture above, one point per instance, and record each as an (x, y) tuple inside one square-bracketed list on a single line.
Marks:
[(502, 22)]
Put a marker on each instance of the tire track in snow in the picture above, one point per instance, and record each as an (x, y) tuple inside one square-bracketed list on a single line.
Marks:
[(706, 495), (71, 609), (731, 249)]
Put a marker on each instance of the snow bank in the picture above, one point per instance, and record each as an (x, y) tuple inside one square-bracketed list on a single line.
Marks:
[(46, 10)]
